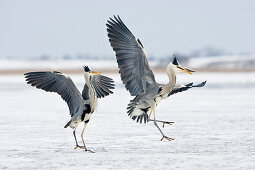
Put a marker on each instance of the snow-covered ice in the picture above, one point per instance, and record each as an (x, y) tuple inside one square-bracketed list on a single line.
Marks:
[(213, 129)]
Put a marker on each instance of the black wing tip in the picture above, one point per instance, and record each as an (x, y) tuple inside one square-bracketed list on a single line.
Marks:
[(68, 123), (41, 72), (32, 72), (114, 18), (198, 85), (190, 84), (25, 74), (140, 42), (201, 84)]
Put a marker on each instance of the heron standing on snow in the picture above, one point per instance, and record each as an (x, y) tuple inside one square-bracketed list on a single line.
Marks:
[(81, 106), (137, 76)]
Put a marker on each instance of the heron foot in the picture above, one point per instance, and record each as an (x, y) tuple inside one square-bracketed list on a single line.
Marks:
[(89, 151), (78, 146), (165, 122), (167, 138), (83, 147)]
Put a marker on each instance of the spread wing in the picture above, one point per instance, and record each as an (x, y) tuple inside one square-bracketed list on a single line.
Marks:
[(185, 87), (102, 85), (59, 83), (134, 68)]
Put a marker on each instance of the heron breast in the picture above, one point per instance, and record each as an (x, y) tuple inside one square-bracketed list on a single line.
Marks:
[(87, 116), (87, 111)]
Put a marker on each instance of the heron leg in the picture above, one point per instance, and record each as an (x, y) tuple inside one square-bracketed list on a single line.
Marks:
[(164, 122), (77, 145), (150, 115), (85, 125), (155, 123), (161, 121)]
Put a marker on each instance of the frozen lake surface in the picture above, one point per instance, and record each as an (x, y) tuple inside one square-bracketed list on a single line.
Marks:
[(213, 129)]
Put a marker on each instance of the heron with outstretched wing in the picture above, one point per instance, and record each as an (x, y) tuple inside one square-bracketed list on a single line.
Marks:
[(81, 105), (138, 77)]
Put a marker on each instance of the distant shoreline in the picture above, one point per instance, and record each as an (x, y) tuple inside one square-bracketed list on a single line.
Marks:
[(80, 71)]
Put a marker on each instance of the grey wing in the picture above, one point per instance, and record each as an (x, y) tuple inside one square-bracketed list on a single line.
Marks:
[(185, 87), (59, 83), (134, 68), (102, 85)]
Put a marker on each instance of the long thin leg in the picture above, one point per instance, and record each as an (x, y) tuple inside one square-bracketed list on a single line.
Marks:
[(150, 115), (155, 123), (75, 136), (161, 121), (77, 145), (85, 125)]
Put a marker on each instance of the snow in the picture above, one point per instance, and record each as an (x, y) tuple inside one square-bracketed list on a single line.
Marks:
[(213, 129)]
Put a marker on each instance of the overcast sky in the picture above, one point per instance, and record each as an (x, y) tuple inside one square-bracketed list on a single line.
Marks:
[(31, 28)]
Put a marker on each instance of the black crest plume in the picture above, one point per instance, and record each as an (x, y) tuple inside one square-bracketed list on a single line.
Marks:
[(175, 62), (86, 68)]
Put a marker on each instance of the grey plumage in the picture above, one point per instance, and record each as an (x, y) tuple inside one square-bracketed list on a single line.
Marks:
[(64, 86), (134, 68), (59, 83), (81, 106), (102, 85), (137, 76), (185, 87)]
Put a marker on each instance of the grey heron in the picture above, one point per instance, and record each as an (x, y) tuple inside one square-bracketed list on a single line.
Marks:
[(81, 105), (138, 77)]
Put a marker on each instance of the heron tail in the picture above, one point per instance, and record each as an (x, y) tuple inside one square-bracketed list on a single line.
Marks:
[(138, 114)]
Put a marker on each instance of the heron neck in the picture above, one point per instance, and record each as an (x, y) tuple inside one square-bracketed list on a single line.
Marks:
[(172, 80), (87, 79), (88, 82), (92, 92)]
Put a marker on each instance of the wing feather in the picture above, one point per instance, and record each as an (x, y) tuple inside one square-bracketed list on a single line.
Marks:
[(134, 68), (185, 87), (59, 83), (102, 85)]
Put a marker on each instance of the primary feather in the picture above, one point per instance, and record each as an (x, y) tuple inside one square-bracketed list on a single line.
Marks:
[(134, 68), (59, 83)]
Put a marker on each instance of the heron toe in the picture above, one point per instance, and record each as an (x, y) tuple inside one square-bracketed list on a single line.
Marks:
[(165, 137), (89, 150), (78, 146), (169, 123)]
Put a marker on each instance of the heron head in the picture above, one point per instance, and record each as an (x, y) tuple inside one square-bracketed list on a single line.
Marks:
[(178, 68), (88, 71)]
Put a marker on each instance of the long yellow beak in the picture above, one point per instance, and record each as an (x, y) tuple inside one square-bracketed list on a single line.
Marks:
[(96, 72), (185, 69)]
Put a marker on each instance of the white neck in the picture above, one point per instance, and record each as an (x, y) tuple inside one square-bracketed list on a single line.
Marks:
[(87, 79), (170, 70), (86, 76), (92, 93)]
